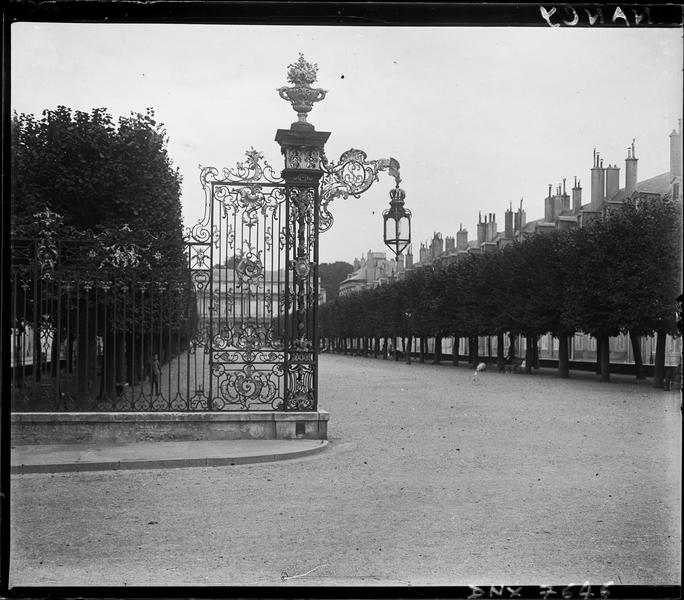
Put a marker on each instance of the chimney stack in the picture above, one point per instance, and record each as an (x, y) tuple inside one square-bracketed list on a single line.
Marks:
[(462, 238), (676, 152), (519, 220), (631, 171), (548, 207), (480, 230), (598, 183), (491, 227), (423, 253), (612, 181), (576, 196), (508, 223)]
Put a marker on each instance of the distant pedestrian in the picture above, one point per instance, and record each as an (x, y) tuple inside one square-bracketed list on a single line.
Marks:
[(511, 354), (156, 375)]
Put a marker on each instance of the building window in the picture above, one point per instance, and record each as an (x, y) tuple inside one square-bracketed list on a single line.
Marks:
[(579, 341)]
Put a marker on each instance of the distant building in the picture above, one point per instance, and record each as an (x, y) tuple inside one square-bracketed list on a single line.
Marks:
[(372, 270), (247, 298)]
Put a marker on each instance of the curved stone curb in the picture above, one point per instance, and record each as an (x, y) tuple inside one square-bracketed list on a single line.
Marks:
[(167, 463)]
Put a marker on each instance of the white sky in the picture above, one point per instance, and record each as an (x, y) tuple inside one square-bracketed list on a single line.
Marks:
[(477, 117)]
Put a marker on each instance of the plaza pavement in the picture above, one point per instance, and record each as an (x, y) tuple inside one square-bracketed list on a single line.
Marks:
[(430, 478)]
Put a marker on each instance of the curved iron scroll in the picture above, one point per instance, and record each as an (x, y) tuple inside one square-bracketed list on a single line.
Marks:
[(352, 175)]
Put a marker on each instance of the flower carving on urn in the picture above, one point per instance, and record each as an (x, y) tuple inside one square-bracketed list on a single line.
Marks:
[(301, 95)]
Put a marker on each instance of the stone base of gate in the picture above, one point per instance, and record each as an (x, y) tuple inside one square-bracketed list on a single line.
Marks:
[(75, 428)]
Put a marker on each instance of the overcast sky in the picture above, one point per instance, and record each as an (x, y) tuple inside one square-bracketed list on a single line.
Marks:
[(477, 117)]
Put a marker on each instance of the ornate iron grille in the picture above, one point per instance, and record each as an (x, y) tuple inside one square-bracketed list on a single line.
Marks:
[(91, 314), (238, 266)]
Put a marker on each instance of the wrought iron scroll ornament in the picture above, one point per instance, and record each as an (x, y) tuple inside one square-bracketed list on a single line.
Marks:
[(250, 174), (46, 248), (352, 175)]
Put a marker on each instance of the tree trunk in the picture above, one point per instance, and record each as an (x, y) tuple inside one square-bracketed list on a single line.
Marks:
[(500, 351), (121, 351), (86, 361), (422, 342), (659, 365), (511, 345), (535, 351), (636, 350), (437, 356), (598, 355), (563, 360), (454, 351), (529, 354), (115, 364), (605, 358), (474, 349), (109, 366), (55, 353), (70, 353)]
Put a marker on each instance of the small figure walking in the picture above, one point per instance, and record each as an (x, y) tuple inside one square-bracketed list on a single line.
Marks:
[(156, 374)]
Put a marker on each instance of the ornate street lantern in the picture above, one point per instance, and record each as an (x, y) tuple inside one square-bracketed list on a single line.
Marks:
[(397, 220)]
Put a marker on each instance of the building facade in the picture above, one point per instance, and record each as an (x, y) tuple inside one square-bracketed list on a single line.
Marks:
[(372, 270)]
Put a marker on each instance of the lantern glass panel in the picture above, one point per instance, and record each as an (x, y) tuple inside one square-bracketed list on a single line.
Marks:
[(389, 229)]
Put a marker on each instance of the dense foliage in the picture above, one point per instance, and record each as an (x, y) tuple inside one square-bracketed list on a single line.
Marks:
[(618, 274), (332, 274), (94, 173)]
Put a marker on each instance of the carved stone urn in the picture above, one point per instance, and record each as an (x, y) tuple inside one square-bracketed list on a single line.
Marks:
[(301, 95)]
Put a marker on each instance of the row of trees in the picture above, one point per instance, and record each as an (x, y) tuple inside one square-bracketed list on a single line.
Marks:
[(617, 274)]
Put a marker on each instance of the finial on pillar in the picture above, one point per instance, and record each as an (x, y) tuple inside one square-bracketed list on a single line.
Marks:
[(301, 95)]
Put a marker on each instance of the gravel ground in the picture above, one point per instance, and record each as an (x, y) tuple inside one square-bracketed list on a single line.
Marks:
[(430, 478)]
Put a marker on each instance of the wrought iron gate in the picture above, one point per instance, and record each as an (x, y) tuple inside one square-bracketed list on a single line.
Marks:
[(238, 259)]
